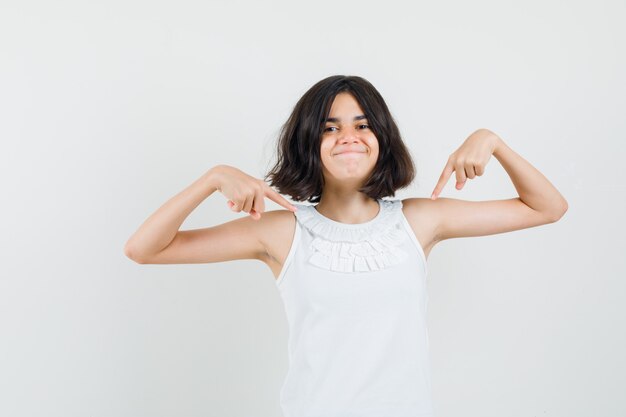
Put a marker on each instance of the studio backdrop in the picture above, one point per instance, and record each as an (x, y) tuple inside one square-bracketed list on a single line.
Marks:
[(108, 109)]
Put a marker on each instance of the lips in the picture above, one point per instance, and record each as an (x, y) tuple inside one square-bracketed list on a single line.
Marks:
[(349, 151)]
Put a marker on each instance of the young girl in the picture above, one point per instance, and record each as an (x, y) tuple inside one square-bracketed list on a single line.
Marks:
[(351, 269)]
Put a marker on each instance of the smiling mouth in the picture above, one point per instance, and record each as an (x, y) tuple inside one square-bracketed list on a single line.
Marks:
[(349, 153)]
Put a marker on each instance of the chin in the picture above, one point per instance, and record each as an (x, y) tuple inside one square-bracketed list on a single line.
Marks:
[(358, 174)]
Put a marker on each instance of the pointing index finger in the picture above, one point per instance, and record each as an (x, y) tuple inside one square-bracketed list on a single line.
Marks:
[(274, 196), (443, 179)]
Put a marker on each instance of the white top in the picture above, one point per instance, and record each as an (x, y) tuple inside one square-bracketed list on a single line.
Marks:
[(355, 299)]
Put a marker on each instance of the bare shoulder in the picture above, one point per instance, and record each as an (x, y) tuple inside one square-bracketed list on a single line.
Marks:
[(421, 215), (276, 231)]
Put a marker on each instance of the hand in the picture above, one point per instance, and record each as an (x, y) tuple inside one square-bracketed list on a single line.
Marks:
[(469, 160), (245, 192)]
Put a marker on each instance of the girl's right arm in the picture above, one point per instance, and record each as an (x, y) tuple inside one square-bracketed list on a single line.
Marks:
[(159, 240)]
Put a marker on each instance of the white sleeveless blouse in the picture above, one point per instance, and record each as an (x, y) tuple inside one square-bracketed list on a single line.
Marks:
[(356, 301)]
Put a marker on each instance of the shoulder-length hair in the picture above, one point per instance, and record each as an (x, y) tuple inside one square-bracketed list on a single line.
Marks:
[(298, 169)]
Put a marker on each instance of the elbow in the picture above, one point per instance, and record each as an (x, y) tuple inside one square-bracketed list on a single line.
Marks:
[(556, 215), (131, 254), (128, 252)]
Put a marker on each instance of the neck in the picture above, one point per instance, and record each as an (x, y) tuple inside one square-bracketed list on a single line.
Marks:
[(350, 208)]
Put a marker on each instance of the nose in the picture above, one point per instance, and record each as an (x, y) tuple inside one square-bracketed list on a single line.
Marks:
[(349, 135)]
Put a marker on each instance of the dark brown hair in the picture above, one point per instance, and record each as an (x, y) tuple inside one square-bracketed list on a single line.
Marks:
[(298, 169)]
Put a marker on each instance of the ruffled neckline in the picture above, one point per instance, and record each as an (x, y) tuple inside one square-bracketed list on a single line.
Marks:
[(360, 247)]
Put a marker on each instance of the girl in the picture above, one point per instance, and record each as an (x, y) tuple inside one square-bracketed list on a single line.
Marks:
[(351, 269)]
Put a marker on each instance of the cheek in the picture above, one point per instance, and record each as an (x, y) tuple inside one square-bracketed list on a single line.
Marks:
[(373, 145), (326, 148)]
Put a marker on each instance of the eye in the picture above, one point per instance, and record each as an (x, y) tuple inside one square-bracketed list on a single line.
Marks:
[(333, 127)]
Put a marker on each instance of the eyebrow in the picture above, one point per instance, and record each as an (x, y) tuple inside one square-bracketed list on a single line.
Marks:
[(336, 120)]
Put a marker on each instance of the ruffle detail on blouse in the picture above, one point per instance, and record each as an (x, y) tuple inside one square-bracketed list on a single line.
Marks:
[(374, 246)]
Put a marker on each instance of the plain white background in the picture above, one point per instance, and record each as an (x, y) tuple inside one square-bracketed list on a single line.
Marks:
[(110, 108)]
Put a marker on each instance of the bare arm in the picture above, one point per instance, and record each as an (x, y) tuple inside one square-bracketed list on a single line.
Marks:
[(534, 189), (159, 230), (158, 240), (539, 202)]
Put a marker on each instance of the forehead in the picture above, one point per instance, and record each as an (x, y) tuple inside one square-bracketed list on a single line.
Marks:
[(345, 106)]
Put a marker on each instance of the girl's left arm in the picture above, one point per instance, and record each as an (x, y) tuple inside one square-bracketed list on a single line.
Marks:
[(532, 186), (539, 202)]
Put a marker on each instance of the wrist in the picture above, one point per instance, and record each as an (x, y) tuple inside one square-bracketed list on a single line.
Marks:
[(498, 144), (212, 178)]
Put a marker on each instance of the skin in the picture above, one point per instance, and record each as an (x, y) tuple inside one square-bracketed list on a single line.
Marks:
[(344, 172), (432, 219), (267, 236)]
